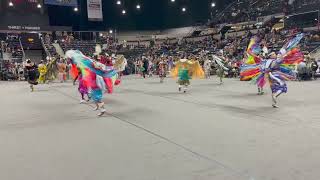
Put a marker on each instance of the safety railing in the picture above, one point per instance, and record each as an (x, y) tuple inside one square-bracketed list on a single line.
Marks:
[(23, 53), (45, 47)]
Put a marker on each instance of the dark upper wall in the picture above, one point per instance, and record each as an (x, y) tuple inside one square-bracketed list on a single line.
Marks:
[(154, 14), (22, 13)]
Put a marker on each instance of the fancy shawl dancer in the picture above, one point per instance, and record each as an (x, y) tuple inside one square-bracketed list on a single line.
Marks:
[(185, 70), (253, 58), (98, 77), (277, 69)]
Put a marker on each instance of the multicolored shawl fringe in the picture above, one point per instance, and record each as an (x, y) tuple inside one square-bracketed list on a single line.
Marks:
[(253, 51), (94, 74), (289, 56)]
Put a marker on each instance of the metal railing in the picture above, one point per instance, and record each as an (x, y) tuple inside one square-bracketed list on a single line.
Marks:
[(23, 53), (220, 14), (2, 51), (45, 47), (315, 53)]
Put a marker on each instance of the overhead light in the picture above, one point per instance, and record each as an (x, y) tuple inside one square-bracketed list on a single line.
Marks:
[(213, 4), (110, 31), (118, 2), (173, 0), (184, 9), (76, 9), (124, 12), (100, 34), (138, 6), (39, 6), (10, 4)]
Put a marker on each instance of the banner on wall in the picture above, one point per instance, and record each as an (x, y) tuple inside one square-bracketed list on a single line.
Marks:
[(62, 2), (34, 28), (94, 10)]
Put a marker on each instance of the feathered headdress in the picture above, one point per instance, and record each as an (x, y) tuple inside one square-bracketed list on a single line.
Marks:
[(120, 63)]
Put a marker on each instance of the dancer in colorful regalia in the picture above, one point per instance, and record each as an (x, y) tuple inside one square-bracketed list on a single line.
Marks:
[(276, 69), (203, 56), (83, 87), (253, 58), (185, 70), (32, 74), (98, 77), (162, 69), (120, 63), (42, 68), (221, 67), (51, 69), (62, 67), (207, 67)]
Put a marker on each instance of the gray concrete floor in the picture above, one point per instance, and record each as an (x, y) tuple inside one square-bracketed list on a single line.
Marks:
[(152, 132)]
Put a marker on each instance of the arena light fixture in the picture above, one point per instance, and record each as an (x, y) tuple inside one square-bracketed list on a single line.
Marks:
[(10, 4), (118, 2), (75, 9), (138, 6), (110, 31), (173, 0), (184, 9), (124, 12), (213, 4), (39, 6)]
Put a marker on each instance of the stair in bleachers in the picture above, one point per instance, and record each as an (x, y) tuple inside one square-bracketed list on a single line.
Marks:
[(34, 55), (57, 48)]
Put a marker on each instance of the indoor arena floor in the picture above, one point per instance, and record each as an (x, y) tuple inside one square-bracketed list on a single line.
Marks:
[(153, 132)]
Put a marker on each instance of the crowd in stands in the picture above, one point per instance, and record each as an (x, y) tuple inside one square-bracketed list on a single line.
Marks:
[(232, 48), (250, 10), (11, 46), (12, 71), (298, 6)]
